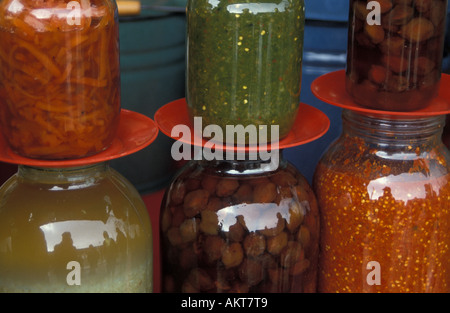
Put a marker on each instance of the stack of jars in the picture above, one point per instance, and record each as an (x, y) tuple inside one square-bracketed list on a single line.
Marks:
[(240, 222), (384, 186), (66, 227)]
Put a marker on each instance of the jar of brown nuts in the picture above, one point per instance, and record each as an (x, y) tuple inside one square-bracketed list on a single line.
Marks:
[(395, 52), (239, 226)]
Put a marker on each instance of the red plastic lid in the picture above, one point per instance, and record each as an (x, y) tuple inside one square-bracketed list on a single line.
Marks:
[(310, 125), (136, 131), (331, 89)]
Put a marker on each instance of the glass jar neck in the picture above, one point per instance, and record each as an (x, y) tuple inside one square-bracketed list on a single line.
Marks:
[(70, 175), (245, 163), (382, 130)]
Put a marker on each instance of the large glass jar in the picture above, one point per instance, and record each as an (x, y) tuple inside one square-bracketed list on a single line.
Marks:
[(244, 62), (59, 76), (239, 226), (384, 196), (82, 229), (395, 52)]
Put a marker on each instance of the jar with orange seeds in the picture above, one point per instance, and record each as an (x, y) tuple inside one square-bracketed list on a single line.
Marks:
[(383, 190)]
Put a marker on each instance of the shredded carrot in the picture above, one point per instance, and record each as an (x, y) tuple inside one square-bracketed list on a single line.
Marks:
[(59, 83)]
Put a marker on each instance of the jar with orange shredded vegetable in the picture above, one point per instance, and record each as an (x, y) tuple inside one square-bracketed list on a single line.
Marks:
[(59, 76), (384, 194)]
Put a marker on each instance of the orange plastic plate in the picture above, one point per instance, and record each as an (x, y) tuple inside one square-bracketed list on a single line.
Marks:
[(310, 125), (136, 131)]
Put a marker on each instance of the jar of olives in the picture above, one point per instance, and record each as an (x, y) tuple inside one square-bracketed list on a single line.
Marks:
[(239, 226), (395, 52), (74, 229)]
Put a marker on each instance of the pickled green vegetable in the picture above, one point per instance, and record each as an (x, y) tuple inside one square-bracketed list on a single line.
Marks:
[(244, 63)]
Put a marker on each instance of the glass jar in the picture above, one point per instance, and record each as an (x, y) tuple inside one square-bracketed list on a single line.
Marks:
[(239, 226), (395, 52), (82, 229), (384, 196), (244, 62), (59, 76)]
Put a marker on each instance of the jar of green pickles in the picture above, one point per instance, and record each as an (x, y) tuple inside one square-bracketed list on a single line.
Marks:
[(244, 62), (76, 229), (239, 226)]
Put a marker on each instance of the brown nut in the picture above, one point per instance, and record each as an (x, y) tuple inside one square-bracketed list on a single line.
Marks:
[(393, 45), (277, 243), (264, 193), (400, 15), (178, 216), (438, 12), (174, 236), (226, 187), (376, 33), (300, 267), (397, 83), (360, 9), (378, 74), (209, 183), (209, 222), (194, 202), (232, 255), (304, 236), (395, 63), (244, 194), (385, 5), (177, 193), (423, 65), (417, 30), (189, 230), (214, 204), (254, 245), (251, 272), (296, 216), (212, 248), (291, 254), (200, 280)]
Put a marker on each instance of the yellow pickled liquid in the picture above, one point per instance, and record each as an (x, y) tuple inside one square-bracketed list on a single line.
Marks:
[(101, 226)]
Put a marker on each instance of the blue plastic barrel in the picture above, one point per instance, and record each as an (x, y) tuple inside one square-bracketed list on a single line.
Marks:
[(325, 50), (152, 47)]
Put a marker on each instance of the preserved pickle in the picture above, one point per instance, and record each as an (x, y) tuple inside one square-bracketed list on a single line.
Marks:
[(59, 76), (244, 62), (395, 53), (384, 195), (233, 226), (78, 230)]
